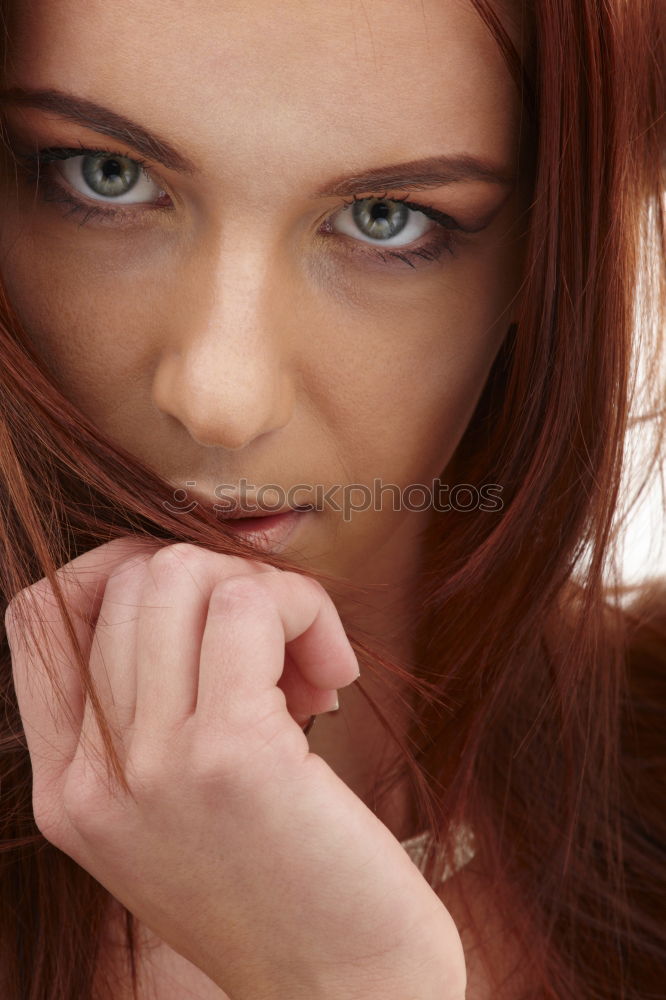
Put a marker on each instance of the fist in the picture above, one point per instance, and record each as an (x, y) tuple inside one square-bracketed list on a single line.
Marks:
[(232, 842)]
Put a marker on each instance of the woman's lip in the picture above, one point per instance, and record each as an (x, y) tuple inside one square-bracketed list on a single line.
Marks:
[(233, 516), (268, 531)]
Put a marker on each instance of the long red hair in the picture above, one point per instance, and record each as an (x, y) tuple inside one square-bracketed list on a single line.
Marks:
[(539, 690)]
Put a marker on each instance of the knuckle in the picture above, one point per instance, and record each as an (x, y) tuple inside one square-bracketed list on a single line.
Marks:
[(27, 608), (117, 587), (155, 765), (89, 806), (46, 818), (213, 761), (127, 571), (224, 766), (146, 777), (314, 585), (237, 592), (127, 545), (171, 560), (304, 582), (81, 805), (178, 553)]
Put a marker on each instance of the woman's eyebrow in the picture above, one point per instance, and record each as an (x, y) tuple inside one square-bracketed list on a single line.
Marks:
[(433, 171), (100, 119)]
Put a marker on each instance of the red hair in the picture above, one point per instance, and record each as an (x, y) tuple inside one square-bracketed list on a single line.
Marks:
[(538, 697)]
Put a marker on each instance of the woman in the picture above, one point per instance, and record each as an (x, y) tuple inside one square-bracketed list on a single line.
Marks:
[(374, 267)]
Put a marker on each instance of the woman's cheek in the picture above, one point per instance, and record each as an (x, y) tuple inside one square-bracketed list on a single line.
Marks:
[(88, 324), (418, 377)]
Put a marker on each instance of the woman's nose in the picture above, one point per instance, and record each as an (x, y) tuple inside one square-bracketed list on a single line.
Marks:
[(224, 374)]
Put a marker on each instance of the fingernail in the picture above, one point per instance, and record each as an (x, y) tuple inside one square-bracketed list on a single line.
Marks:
[(334, 704)]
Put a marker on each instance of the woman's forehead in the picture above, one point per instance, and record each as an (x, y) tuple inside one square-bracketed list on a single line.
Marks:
[(405, 77)]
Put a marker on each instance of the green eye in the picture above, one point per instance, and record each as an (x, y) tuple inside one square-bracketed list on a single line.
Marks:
[(380, 218), (110, 176), (107, 176)]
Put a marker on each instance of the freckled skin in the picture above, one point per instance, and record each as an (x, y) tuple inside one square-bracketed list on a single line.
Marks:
[(227, 337)]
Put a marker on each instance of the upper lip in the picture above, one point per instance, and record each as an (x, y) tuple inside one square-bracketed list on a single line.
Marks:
[(237, 512)]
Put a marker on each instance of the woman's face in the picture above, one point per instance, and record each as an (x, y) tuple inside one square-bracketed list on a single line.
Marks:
[(236, 318)]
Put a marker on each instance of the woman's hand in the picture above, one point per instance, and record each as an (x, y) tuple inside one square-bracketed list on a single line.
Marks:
[(238, 847)]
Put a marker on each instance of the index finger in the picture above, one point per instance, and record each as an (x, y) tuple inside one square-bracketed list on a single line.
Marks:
[(46, 679)]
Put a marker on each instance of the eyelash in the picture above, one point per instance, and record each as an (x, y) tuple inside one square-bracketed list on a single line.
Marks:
[(447, 233)]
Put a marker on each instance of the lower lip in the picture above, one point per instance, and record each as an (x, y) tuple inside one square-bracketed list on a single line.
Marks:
[(268, 532)]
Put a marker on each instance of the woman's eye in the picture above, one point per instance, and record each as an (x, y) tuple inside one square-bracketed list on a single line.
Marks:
[(111, 178), (101, 183), (381, 222)]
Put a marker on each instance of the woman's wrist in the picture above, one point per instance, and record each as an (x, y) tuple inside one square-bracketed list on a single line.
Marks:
[(431, 968)]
